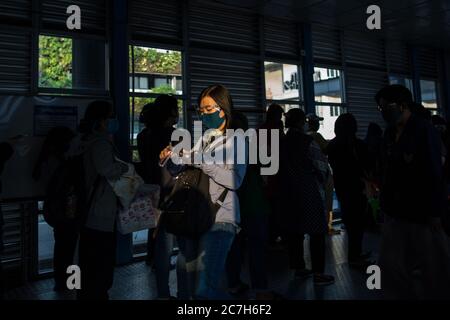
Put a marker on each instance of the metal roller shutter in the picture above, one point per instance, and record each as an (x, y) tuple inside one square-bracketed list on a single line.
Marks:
[(255, 119), (222, 27), (282, 38), (17, 239), (240, 75), (362, 50), (326, 43), (93, 15), (159, 21), (398, 58), (16, 12), (15, 61), (427, 60), (362, 85)]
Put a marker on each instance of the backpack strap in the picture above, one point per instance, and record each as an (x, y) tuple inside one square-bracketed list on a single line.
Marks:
[(219, 201)]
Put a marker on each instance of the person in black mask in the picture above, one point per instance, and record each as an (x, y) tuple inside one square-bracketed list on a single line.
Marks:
[(414, 247)]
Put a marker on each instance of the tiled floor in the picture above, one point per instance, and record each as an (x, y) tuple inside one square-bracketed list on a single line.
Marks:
[(137, 282)]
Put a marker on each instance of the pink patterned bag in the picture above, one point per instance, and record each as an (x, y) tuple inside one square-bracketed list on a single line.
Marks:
[(142, 213)]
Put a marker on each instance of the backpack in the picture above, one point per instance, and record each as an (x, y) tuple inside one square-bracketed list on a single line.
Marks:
[(66, 201), (188, 210)]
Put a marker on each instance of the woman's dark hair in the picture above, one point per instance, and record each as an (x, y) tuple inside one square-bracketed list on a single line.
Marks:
[(56, 143), (222, 97), (96, 111), (345, 126), (274, 113), (167, 105), (149, 115), (294, 118)]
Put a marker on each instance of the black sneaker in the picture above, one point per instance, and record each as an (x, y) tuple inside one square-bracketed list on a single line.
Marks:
[(321, 279), (303, 273)]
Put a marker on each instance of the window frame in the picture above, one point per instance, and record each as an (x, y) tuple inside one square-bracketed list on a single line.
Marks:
[(133, 94), (332, 105), (298, 103), (438, 108), (71, 91)]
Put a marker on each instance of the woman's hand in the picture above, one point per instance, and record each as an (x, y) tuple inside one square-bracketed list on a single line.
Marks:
[(166, 152)]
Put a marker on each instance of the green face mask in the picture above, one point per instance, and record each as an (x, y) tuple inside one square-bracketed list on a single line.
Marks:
[(212, 120)]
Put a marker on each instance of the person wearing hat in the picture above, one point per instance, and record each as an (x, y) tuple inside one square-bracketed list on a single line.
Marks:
[(313, 125)]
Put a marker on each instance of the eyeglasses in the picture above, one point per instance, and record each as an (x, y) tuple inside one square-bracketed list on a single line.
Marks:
[(207, 109)]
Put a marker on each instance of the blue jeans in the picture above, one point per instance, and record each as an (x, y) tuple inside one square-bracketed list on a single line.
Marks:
[(201, 263), (163, 250)]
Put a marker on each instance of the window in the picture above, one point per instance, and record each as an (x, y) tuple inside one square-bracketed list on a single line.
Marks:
[(152, 72), (329, 98), (67, 64), (327, 85), (283, 85), (403, 80), (282, 81), (428, 91)]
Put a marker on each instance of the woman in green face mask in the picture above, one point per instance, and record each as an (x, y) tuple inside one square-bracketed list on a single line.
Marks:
[(209, 251), (214, 107)]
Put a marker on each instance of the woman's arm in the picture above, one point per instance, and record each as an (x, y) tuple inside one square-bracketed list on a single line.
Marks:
[(319, 161), (232, 175), (104, 163)]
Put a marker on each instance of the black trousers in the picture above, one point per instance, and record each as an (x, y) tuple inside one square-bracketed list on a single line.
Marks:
[(97, 261), (354, 216), (66, 237), (316, 248)]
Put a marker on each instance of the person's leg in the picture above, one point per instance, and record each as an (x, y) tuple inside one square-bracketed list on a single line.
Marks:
[(317, 249), (395, 272), (353, 211), (296, 251), (66, 238), (234, 262), (186, 267), (214, 248), (257, 250), (58, 259), (150, 246), (97, 261), (163, 249)]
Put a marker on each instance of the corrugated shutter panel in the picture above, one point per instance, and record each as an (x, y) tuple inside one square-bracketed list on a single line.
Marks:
[(93, 15), (427, 60), (281, 38), (240, 75), (362, 85), (15, 12), (326, 43), (255, 119), (159, 21), (220, 27), (398, 58), (362, 50), (17, 238), (15, 61)]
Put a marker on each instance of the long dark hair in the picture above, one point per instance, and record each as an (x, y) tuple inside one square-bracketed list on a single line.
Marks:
[(96, 111), (222, 97), (56, 143)]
